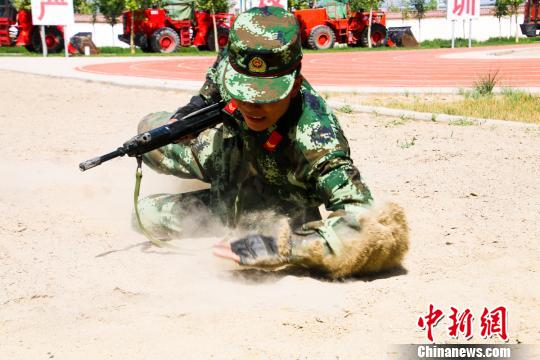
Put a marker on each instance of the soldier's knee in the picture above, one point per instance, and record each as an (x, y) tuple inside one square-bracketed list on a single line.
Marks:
[(150, 212), (156, 216)]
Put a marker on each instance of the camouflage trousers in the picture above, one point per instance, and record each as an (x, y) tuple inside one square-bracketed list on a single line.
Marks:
[(168, 216)]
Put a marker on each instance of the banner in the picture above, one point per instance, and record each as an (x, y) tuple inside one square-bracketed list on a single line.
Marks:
[(463, 9), (52, 12)]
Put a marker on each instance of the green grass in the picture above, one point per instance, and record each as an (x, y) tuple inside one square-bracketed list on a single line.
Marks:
[(15, 50), (461, 122), (486, 83), (347, 109), (510, 104), (118, 51), (428, 44), (350, 49), (439, 44), (107, 51), (397, 122), (533, 132), (405, 144), (460, 42)]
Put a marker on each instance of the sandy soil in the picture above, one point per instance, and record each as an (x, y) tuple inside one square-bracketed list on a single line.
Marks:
[(76, 282)]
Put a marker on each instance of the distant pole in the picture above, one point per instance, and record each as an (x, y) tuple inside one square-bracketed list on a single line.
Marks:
[(43, 41), (470, 36), (66, 42), (453, 33)]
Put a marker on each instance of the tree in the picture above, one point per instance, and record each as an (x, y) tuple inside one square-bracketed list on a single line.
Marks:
[(391, 6), (360, 5), (82, 6), (22, 4), (513, 8), (94, 12), (297, 4), (405, 10), (500, 10), (134, 6), (214, 6), (432, 5), (357, 5), (420, 7), (111, 10)]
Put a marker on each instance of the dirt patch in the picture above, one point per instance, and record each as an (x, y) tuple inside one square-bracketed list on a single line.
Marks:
[(77, 282)]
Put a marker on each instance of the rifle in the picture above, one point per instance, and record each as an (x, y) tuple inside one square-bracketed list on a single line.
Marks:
[(190, 124)]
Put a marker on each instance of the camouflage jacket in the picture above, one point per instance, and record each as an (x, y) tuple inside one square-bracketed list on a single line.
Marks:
[(292, 167)]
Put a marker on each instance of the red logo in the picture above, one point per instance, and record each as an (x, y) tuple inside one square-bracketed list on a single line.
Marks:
[(494, 323), (491, 323), (231, 107), (461, 323), (45, 3), (273, 141), (430, 320)]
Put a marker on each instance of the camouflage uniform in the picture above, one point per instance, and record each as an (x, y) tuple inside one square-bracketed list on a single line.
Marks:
[(297, 164)]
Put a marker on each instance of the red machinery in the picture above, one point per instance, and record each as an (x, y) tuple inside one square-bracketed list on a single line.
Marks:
[(531, 20), (321, 27), (16, 28), (156, 31)]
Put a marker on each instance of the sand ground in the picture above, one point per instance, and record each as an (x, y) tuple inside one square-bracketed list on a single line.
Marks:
[(76, 282)]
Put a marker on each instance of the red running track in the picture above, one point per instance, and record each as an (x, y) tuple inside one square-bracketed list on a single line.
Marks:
[(400, 68)]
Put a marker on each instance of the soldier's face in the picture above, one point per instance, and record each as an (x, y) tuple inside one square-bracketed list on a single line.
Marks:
[(259, 117)]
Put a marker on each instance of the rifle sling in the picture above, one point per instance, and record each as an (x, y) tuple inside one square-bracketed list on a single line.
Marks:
[(138, 178)]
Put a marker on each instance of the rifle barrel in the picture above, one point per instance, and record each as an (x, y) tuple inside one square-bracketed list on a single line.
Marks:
[(88, 164)]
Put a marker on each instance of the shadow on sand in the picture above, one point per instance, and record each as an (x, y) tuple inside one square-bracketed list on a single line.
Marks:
[(257, 276), (148, 247)]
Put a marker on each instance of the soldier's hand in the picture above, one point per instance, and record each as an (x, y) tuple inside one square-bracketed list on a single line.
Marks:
[(187, 138), (223, 250), (252, 250)]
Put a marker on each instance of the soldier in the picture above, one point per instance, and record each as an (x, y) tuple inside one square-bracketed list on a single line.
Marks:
[(280, 148)]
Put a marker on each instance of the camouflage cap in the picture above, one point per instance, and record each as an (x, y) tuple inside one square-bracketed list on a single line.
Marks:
[(264, 53)]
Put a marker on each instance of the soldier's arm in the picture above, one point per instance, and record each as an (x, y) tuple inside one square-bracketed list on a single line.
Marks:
[(340, 187), (208, 94), (186, 159), (210, 91), (356, 237)]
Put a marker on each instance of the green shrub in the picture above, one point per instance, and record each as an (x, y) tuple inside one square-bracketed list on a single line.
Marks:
[(347, 109), (461, 122), (486, 83)]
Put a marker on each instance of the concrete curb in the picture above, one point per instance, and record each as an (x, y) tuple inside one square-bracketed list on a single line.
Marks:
[(163, 84), (437, 118)]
